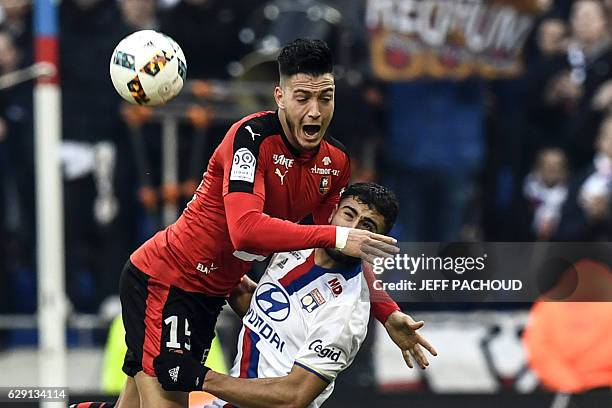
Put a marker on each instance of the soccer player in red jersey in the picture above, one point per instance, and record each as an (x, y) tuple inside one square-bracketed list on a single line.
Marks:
[(271, 170)]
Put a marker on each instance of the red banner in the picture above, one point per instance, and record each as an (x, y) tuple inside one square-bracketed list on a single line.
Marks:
[(448, 39)]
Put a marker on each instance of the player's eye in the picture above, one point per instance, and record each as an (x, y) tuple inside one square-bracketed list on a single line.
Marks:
[(326, 99), (348, 215), (368, 226)]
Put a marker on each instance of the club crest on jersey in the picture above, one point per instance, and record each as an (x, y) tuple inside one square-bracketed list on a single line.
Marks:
[(312, 300), (243, 166), (324, 185)]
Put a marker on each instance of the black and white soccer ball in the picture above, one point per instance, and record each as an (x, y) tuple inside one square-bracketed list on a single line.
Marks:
[(148, 68)]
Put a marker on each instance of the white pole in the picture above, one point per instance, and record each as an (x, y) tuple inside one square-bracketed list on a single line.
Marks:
[(49, 204), (50, 239), (169, 165)]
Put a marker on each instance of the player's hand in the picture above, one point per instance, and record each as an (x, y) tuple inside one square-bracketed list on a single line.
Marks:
[(179, 372), (240, 298), (403, 331), (369, 246)]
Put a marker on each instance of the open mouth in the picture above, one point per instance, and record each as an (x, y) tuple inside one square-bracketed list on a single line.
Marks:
[(311, 130)]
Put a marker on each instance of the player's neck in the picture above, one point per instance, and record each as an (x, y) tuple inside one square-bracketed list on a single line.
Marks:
[(323, 260), (333, 259)]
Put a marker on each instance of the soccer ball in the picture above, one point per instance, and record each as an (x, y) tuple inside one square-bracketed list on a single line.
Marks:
[(148, 68)]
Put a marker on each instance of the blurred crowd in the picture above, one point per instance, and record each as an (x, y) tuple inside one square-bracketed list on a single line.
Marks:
[(517, 159)]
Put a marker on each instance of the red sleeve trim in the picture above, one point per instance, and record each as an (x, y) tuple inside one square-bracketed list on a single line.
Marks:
[(381, 302)]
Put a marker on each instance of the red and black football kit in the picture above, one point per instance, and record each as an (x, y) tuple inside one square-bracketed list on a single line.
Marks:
[(255, 189)]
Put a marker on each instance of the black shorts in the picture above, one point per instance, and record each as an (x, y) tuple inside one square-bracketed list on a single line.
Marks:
[(158, 317)]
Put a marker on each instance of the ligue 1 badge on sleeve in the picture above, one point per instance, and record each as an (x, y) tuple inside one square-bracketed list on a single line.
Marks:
[(324, 185)]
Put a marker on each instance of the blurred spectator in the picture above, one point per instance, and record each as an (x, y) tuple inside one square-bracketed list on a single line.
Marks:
[(16, 115), (545, 123), (15, 18), (556, 333), (17, 182), (586, 213), (545, 189), (207, 31), (565, 85), (433, 150), (138, 14), (552, 37), (4, 195)]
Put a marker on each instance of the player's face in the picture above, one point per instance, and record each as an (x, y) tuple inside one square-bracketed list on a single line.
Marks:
[(308, 105), (353, 214)]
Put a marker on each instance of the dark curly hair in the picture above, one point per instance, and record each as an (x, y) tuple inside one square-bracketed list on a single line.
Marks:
[(305, 56), (376, 197)]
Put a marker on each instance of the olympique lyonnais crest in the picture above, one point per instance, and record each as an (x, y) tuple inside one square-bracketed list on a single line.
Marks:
[(448, 39), (324, 185)]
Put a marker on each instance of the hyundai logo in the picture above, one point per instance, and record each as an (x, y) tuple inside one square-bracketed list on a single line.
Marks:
[(273, 301)]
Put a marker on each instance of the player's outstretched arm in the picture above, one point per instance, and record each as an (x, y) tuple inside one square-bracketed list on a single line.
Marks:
[(179, 372), (252, 230)]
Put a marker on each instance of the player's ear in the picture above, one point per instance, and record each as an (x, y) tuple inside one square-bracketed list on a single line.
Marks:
[(278, 97)]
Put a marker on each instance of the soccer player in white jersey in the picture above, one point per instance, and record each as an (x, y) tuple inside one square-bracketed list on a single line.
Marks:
[(304, 323)]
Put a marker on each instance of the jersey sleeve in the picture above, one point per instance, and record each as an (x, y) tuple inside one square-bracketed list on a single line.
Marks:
[(334, 339), (382, 304), (322, 214), (252, 230), (244, 170)]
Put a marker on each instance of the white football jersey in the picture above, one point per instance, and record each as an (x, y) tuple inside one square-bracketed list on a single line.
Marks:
[(303, 314)]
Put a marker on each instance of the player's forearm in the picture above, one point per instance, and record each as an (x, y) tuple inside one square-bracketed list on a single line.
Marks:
[(263, 233), (252, 393), (252, 230)]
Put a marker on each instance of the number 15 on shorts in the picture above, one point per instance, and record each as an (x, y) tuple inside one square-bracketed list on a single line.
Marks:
[(173, 323)]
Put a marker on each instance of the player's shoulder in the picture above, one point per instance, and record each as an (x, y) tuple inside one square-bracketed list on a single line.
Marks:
[(340, 304), (255, 128), (337, 151), (283, 262), (336, 294), (347, 287), (337, 148)]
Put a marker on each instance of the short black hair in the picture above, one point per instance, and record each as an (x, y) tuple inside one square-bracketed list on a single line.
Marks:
[(305, 56), (378, 198)]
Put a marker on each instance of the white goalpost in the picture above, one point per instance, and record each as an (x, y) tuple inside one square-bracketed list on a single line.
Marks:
[(52, 304)]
